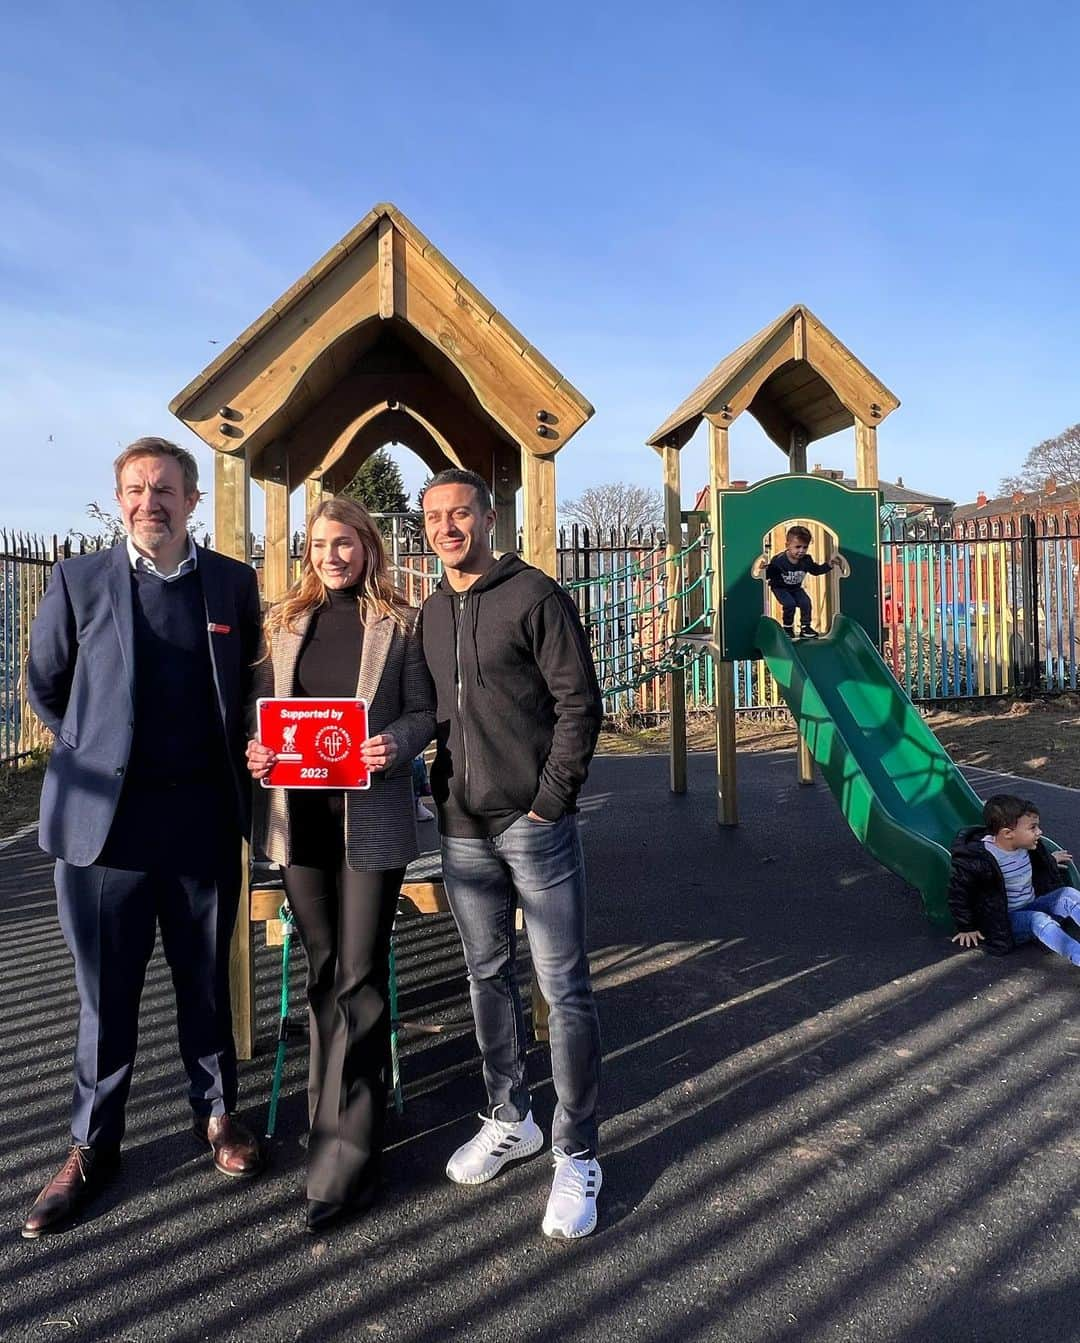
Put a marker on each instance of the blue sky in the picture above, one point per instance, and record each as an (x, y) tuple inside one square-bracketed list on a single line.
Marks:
[(639, 188)]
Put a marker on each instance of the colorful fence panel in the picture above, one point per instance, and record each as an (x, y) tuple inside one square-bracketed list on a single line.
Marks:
[(970, 611)]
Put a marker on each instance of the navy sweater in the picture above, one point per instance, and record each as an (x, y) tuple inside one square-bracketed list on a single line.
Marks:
[(782, 572), (178, 735)]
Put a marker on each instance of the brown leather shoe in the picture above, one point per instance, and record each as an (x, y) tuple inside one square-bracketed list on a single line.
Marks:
[(82, 1175), (236, 1149)]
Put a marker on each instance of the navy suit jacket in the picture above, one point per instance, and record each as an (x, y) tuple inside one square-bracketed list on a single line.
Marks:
[(80, 679)]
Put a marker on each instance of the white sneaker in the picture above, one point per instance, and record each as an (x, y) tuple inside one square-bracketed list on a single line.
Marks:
[(571, 1205), (482, 1157), (423, 813)]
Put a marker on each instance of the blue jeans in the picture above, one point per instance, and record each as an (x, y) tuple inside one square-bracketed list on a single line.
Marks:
[(542, 866), (1039, 920)]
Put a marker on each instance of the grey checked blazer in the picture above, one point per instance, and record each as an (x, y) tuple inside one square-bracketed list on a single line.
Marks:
[(380, 822)]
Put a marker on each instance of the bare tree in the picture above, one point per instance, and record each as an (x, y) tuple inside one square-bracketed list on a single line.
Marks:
[(109, 530), (615, 506), (1056, 459)]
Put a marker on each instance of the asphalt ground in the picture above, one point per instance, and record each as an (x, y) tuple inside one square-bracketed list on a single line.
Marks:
[(820, 1121)]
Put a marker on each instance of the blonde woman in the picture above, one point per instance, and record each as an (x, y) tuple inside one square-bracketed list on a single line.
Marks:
[(343, 630)]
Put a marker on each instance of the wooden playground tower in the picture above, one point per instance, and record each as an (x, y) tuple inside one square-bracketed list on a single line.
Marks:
[(801, 384), (381, 341)]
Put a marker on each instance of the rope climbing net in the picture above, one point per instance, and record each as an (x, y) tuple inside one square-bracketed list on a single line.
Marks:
[(628, 614)]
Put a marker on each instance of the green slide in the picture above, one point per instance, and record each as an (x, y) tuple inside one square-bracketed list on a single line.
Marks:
[(896, 785)]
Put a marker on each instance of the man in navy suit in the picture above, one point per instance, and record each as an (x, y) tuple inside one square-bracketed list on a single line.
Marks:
[(140, 664)]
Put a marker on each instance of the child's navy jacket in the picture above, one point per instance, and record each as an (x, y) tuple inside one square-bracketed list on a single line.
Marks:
[(781, 572)]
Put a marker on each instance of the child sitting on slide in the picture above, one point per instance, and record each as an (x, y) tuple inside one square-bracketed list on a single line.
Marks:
[(785, 574), (1005, 888)]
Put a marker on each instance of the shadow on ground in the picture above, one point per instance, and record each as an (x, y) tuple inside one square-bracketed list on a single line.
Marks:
[(819, 1122)]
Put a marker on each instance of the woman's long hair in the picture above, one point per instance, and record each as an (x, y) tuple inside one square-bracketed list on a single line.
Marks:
[(378, 596)]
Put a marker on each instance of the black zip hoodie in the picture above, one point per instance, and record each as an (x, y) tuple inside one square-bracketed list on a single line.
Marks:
[(977, 898), (518, 706)]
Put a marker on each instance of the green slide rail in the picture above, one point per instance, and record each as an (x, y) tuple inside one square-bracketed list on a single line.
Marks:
[(897, 786)]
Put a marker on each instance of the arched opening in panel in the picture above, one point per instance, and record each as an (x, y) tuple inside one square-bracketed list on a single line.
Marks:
[(783, 566)]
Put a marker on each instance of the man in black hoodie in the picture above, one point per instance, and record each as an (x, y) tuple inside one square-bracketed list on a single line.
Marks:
[(518, 714)]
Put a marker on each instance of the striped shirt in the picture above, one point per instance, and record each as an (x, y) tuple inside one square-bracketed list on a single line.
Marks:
[(1015, 867)]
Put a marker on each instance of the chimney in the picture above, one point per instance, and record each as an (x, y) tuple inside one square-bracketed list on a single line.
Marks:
[(739, 484), (900, 481), (1051, 485), (980, 502), (1018, 496)]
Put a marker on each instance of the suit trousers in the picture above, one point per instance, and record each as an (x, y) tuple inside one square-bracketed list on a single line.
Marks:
[(109, 916), (345, 919)]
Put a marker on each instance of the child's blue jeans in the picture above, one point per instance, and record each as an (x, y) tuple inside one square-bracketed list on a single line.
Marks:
[(792, 599), (1040, 920)]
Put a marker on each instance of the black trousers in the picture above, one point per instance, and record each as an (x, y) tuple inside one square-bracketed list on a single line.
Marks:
[(345, 919)]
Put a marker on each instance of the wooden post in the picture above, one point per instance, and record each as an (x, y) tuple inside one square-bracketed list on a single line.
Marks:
[(232, 511), (504, 497), (538, 507), (538, 547), (866, 458), (313, 496), (797, 449), (804, 761), (727, 802), (276, 553), (232, 533), (676, 681)]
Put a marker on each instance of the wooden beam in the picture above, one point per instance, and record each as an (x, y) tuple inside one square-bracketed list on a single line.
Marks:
[(426, 897), (727, 804), (538, 509), (866, 456), (361, 399), (737, 393), (274, 361), (676, 681), (386, 268), (854, 386), (509, 378)]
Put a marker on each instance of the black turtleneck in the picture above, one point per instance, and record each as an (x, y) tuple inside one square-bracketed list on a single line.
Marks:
[(329, 662)]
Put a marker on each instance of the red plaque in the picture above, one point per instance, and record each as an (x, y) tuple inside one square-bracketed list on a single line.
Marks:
[(317, 742)]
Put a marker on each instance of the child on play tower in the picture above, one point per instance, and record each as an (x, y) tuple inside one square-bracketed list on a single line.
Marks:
[(785, 574)]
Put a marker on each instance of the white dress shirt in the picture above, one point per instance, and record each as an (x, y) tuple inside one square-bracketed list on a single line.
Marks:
[(141, 564)]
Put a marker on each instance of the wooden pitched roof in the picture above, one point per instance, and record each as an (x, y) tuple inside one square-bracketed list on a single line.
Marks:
[(793, 374), (383, 272)]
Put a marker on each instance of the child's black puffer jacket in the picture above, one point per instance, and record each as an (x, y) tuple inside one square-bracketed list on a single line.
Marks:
[(977, 897)]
